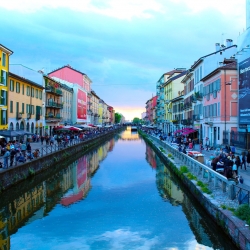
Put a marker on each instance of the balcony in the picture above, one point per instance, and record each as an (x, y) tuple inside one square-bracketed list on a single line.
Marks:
[(196, 117), (19, 116), (53, 118), (51, 89), (193, 99), (198, 96), (52, 104), (175, 122)]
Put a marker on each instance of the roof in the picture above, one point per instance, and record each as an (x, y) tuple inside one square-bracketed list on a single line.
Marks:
[(170, 73), (24, 79), (52, 79), (175, 77), (229, 66), (5, 49), (67, 66), (201, 58)]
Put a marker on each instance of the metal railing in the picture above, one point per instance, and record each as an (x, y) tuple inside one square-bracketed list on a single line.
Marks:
[(22, 157), (214, 179)]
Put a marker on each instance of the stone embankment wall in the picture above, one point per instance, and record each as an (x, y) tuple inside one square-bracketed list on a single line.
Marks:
[(16, 174), (231, 225)]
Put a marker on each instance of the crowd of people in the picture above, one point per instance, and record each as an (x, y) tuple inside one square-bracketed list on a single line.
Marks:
[(19, 151), (223, 160)]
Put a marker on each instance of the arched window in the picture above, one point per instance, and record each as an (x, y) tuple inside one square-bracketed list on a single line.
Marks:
[(28, 127), (32, 127), (22, 125), (11, 126), (17, 126)]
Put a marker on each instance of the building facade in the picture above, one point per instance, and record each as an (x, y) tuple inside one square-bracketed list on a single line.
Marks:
[(25, 105), (4, 70)]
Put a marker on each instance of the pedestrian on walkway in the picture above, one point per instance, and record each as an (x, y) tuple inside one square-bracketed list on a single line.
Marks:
[(201, 147), (248, 158), (42, 139), (6, 159), (243, 160), (237, 162)]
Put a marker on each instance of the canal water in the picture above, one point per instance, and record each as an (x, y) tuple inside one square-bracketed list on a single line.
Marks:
[(120, 196)]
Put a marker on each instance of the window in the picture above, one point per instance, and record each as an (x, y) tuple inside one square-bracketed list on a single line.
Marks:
[(23, 89), (3, 78), (40, 94), (12, 85), (17, 107), (17, 87), (11, 106), (28, 91), (27, 108), (4, 120), (32, 110), (32, 92), (23, 108), (37, 93), (3, 99), (218, 133), (4, 60), (218, 109)]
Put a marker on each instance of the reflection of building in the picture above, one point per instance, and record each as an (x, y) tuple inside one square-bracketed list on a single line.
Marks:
[(150, 156), (24, 207), (4, 234), (168, 189)]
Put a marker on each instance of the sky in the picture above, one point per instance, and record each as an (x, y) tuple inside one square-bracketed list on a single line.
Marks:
[(124, 46)]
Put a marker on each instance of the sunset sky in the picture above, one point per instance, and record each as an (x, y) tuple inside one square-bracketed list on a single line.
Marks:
[(124, 46)]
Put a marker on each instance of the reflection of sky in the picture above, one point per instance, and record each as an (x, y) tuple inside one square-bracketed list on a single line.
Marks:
[(123, 210)]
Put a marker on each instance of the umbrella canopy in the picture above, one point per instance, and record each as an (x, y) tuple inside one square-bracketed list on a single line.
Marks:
[(9, 133), (70, 128)]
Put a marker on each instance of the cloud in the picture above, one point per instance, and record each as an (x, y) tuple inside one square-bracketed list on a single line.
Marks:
[(122, 9)]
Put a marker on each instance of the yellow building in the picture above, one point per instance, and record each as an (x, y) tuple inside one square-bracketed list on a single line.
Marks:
[(25, 104), (4, 69)]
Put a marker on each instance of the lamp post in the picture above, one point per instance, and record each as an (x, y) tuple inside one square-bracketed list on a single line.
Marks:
[(226, 83)]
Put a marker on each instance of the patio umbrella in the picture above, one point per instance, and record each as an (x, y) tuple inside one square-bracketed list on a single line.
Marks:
[(9, 133)]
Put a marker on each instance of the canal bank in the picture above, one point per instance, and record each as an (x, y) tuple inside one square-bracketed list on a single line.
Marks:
[(61, 157), (235, 228)]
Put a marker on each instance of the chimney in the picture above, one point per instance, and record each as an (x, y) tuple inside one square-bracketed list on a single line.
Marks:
[(229, 42), (217, 47)]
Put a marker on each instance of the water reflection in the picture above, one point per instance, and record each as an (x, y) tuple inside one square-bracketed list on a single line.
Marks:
[(205, 231), (66, 187), (130, 135), (122, 211)]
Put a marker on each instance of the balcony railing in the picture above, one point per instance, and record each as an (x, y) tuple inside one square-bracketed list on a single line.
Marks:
[(51, 117), (3, 101), (53, 90), (52, 104), (198, 96)]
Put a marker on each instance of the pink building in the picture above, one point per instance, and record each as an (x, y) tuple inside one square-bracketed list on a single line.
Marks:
[(150, 109), (220, 103), (81, 85)]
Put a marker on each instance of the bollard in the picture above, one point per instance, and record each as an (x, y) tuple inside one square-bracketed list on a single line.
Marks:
[(231, 190)]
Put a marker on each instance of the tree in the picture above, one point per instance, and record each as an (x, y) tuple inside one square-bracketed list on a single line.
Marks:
[(118, 117), (137, 120)]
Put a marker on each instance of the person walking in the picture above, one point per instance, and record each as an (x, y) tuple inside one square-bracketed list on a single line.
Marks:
[(6, 159), (248, 158), (243, 160), (238, 163)]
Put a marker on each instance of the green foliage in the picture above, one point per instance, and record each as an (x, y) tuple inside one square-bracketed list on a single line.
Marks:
[(184, 169), (118, 117), (162, 150), (31, 171), (243, 212), (204, 187), (191, 176), (170, 155), (136, 120)]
